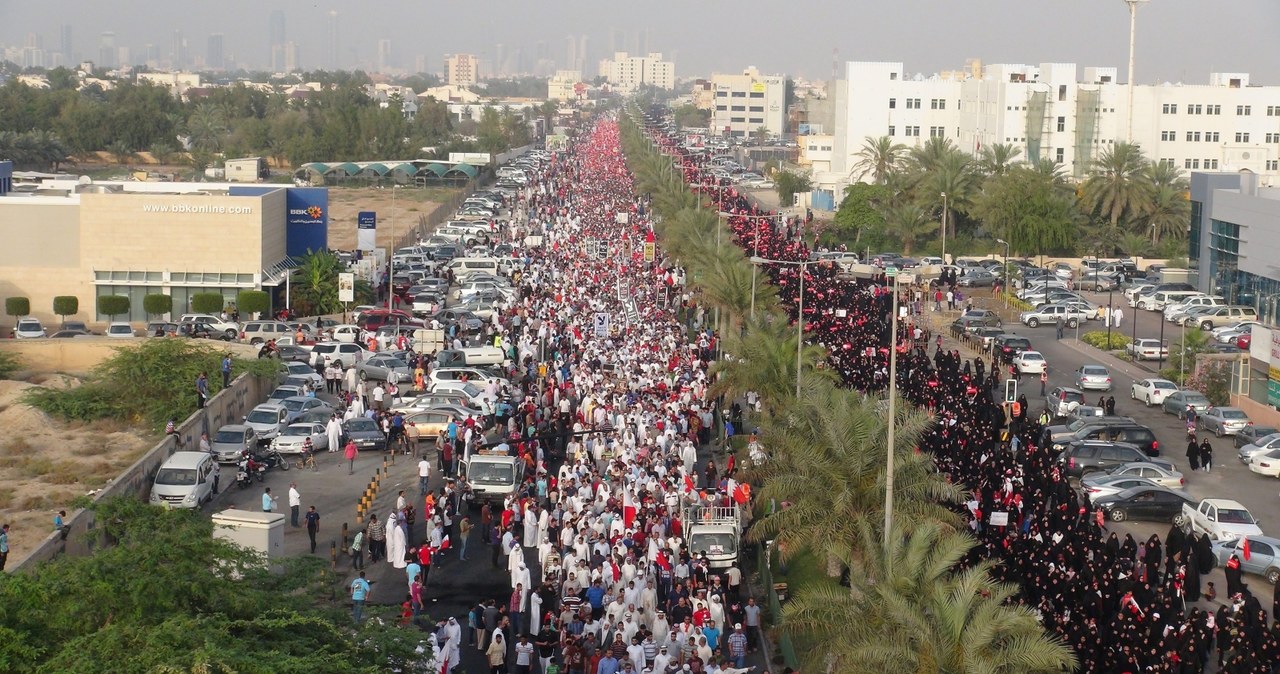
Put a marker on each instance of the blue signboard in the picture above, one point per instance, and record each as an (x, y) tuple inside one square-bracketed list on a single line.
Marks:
[(306, 217), (366, 220)]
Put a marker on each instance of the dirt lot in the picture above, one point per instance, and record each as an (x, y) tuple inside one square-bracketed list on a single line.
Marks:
[(397, 209), (45, 464)]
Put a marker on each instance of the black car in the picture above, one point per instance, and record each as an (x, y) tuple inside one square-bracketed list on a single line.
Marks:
[(1083, 457), (1143, 503), (69, 334), (1067, 431), (1126, 432), (465, 319), (1250, 434), (195, 329), (291, 352), (365, 433), (1011, 345)]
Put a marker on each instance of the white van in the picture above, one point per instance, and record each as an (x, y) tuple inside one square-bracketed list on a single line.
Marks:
[(463, 267), (1164, 298), (184, 481), (476, 355), (493, 476)]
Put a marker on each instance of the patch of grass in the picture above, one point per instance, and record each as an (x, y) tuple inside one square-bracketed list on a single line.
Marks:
[(91, 449), (65, 472), (6, 497), (16, 447), (35, 466), (37, 502)]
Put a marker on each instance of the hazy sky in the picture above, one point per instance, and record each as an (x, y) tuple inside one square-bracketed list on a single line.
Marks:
[(1177, 39)]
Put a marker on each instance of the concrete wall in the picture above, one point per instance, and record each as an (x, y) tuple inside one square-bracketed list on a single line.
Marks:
[(228, 405), (79, 356), (159, 232)]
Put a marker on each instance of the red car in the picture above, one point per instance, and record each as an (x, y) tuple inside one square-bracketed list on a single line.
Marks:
[(1243, 342), (376, 318)]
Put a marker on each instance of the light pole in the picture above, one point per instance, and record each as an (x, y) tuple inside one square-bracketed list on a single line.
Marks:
[(801, 264), (1005, 280), (893, 395), (944, 228), (755, 249), (1133, 31)]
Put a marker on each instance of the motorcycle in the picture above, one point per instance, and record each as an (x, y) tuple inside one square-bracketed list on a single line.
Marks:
[(268, 459), (242, 472)]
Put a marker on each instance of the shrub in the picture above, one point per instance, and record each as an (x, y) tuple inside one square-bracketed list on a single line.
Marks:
[(158, 304), (1098, 339), (253, 301), (17, 306), (1020, 305), (66, 305), (206, 303), (113, 305), (9, 364)]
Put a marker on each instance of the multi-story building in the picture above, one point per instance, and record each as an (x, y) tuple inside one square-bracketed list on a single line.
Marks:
[(1048, 112), (628, 73), (462, 70), (744, 103), (565, 85)]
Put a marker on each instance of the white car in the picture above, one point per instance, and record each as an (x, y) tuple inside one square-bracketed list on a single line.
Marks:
[(120, 331), (229, 328), (348, 334), (1259, 446), (1152, 391), (1266, 463), (1228, 333), (1131, 293), (293, 437), (1030, 362), (28, 328)]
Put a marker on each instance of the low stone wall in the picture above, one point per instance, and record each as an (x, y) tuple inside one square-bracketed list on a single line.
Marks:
[(228, 406), (80, 355)]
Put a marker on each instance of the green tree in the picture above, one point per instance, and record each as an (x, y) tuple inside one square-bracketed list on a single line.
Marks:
[(1167, 210), (157, 304), (878, 158), (1026, 208), (1116, 189), (689, 116), (912, 609), (122, 151), (113, 305), (909, 224), (765, 362), (207, 303), (998, 159), (17, 306), (66, 305), (1182, 355), (861, 210), (315, 285), (254, 301), (788, 185)]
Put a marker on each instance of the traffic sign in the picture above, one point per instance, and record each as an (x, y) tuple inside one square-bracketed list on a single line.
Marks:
[(890, 271)]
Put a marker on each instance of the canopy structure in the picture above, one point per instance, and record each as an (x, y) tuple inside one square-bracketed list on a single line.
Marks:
[(463, 170), (342, 170)]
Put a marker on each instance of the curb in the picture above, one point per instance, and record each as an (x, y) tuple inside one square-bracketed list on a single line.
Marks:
[(1133, 370)]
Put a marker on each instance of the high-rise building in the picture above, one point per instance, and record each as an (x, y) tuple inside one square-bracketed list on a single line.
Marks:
[(276, 40), (64, 42), (748, 101), (334, 59), (178, 51), (213, 58), (500, 59), (617, 40), (583, 57), (420, 63), (107, 49), (152, 55), (627, 73), (461, 69), (291, 61), (571, 53), (385, 60)]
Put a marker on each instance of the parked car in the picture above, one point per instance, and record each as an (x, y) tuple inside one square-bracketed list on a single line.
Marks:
[(1152, 391), (1266, 463), (1010, 345), (1177, 403), (28, 328), (1163, 474), (1052, 313), (1225, 316), (1228, 333), (266, 420), (292, 439), (384, 367), (977, 279), (1128, 432), (1082, 457), (1253, 434), (1093, 378), (1144, 503), (364, 432), (1223, 420), (979, 318), (120, 331), (304, 372), (1221, 519), (230, 441), (1098, 485), (1147, 349), (1263, 557), (299, 404)]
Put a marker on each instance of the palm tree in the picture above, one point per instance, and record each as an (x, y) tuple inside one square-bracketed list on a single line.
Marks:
[(726, 282), (927, 157), (315, 284), (911, 611), (1117, 189), (909, 223), (121, 151), (207, 128), (828, 463), (952, 174), (996, 160), (763, 359), (879, 157), (1168, 212)]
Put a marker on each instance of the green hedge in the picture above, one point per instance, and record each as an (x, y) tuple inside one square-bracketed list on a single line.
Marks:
[(253, 301), (1020, 305), (66, 305), (157, 304), (17, 306), (1098, 339), (113, 305), (207, 303)]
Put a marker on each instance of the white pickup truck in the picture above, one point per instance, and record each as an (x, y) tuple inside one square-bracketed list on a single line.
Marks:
[(1221, 519), (715, 531)]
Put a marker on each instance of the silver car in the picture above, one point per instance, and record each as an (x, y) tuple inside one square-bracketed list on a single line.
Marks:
[(1093, 378), (293, 438), (1103, 484), (1259, 446), (230, 441), (1160, 472), (384, 367), (1223, 420)]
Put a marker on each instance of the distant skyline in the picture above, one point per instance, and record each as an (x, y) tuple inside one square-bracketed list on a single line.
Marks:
[(1178, 40)]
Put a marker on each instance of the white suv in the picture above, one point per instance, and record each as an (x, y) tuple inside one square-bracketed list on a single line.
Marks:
[(228, 328), (345, 353)]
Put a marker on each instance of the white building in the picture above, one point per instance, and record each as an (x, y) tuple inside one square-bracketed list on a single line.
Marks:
[(627, 73), (177, 83), (564, 86), (1049, 112), (462, 70), (746, 102)]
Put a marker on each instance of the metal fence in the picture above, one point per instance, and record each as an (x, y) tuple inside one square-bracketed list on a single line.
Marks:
[(428, 222), (785, 645)]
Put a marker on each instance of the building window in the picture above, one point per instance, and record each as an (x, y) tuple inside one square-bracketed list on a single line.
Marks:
[(1170, 108), (893, 103), (1168, 135), (1273, 110), (1211, 136), (722, 94), (739, 94), (1244, 110), (722, 108), (739, 108), (937, 132), (1191, 163), (1242, 137), (757, 120), (1060, 156), (826, 148), (1273, 138), (1062, 92), (1211, 163), (1167, 162), (757, 94), (737, 120), (1273, 164), (913, 104), (938, 104), (1193, 136), (1062, 123), (912, 130), (1194, 109), (756, 108), (1213, 109)]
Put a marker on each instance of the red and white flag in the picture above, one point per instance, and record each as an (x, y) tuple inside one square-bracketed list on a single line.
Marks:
[(1245, 549), (628, 508), (688, 484), (444, 543)]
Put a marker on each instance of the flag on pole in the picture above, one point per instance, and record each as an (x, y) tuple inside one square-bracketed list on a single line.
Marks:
[(688, 484), (628, 508), (1245, 549)]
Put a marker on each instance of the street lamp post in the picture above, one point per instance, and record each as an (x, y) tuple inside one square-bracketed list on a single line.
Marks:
[(801, 264), (1006, 272), (944, 228), (893, 395), (755, 250)]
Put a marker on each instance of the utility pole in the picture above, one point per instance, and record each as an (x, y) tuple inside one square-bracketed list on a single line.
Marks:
[(1133, 31)]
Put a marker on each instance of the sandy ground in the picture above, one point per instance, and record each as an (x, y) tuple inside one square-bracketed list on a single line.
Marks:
[(45, 464), (398, 210)]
